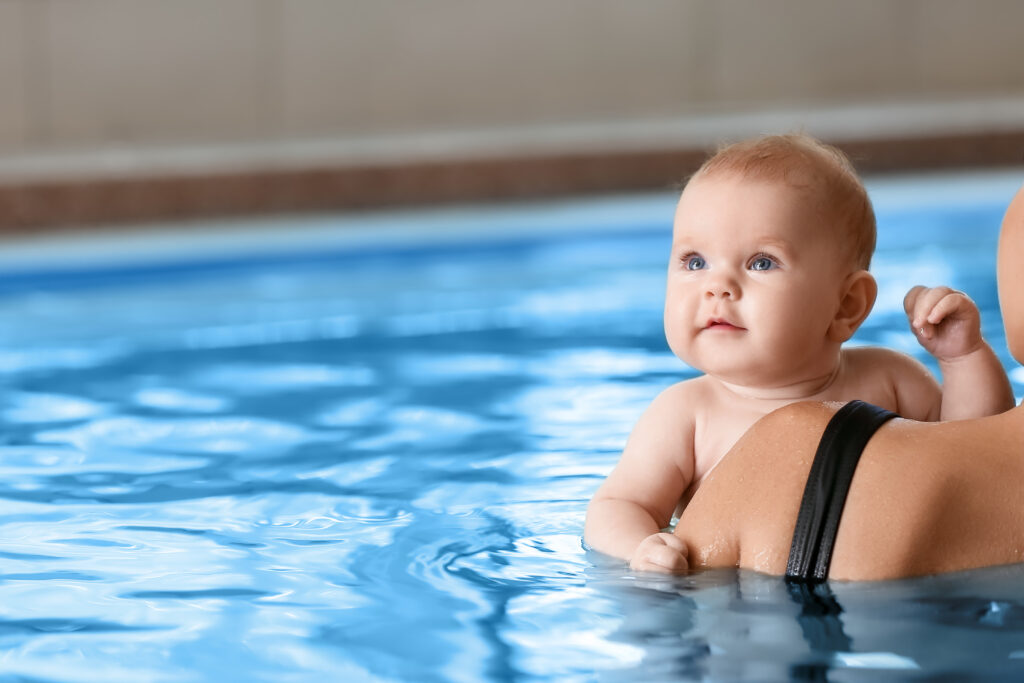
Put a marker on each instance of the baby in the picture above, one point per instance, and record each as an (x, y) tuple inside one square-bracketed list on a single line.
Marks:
[(768, 276)]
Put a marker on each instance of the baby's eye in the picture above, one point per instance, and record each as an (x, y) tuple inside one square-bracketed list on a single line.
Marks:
[(762, 262), (694, 262)]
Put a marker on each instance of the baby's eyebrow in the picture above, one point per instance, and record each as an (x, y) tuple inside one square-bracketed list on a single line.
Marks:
[(775, 243), (680, 241), (689, 242)]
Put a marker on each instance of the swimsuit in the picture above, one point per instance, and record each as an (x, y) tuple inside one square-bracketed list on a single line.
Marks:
[(827, 485)]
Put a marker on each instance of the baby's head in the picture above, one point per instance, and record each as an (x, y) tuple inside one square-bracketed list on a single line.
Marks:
[(768, 275), (821, 177)]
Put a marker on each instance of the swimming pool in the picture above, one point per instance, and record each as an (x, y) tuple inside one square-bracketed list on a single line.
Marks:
[(361, 448)]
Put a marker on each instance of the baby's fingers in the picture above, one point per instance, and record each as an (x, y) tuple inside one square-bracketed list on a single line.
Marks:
[(916, 304), (663, 552), (919, 304), (924, 302), (910, 300), (946, 322), (951, 303), (670, 559)]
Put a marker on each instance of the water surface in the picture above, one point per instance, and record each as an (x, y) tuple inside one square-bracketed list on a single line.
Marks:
[(365, 453)]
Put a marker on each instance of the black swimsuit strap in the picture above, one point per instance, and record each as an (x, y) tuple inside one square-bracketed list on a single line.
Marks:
[(828, 483)]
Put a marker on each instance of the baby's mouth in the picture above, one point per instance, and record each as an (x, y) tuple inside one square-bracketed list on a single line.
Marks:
[(722, 324)]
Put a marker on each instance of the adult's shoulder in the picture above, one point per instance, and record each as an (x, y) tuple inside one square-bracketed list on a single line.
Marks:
[(778, 449), (790, 425), (746, 507)]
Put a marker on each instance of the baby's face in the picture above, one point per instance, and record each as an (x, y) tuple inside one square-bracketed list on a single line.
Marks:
[(754, 281)]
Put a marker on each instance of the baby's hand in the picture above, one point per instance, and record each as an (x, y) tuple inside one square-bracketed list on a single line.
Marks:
[(661, 552), (946, 322)]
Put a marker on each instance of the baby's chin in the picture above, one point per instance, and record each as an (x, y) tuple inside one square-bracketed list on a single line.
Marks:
[(739, 369), (751, 375)]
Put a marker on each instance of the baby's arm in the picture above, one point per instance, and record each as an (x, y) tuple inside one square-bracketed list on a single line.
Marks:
[(636, 501), (948, 325)]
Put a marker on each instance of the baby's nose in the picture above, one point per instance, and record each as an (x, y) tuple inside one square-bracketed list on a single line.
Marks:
[(723, 287)]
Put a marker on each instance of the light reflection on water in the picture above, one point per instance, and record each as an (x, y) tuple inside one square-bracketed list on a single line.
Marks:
[(378, 470)]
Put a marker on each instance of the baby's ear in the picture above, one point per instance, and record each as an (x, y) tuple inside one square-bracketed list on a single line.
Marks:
[(856, 300)]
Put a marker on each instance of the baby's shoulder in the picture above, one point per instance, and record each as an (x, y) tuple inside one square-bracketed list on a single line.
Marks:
[(881, 375), (877, 360), (681, 401), (688, 391), (667, 425)]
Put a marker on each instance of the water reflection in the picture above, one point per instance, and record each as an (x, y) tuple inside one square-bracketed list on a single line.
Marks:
[(740, 625)]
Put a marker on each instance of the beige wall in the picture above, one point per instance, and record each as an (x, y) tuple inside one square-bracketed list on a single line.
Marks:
[(80, 74)]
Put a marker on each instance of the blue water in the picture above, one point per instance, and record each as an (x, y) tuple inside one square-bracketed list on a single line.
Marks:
[(365, 452)]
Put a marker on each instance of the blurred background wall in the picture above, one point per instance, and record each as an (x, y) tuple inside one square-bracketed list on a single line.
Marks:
[(129, 110)]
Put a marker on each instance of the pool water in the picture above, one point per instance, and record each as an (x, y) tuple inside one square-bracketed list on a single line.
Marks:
[(361, 448)]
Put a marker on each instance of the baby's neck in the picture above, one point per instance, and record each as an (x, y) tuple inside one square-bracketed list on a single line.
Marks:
[(802, 389)]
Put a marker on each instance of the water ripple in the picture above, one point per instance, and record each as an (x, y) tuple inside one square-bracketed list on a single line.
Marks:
[(59, 358), (177, 400), (32, 408), (262, 379), (57, 575), (352, 413), (8, 626), (424, 427), (211, 593), (20, 461), (215, 436)]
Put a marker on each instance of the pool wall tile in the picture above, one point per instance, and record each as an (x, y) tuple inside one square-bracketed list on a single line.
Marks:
[(863, 50), (14, 73), (449, 64), (942, 43), (184, 70)]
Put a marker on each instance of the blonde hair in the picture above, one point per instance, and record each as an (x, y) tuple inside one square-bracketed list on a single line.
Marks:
[(807, 163)]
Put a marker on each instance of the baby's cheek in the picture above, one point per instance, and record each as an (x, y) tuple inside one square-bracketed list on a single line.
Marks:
[(673, 330)]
